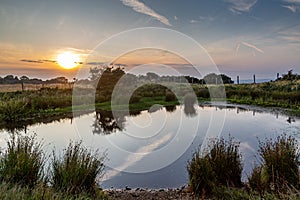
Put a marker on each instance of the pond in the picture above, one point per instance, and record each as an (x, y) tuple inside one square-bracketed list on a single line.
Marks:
[(151, 149)]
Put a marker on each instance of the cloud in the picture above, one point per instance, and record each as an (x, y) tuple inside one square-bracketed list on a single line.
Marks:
[(253, 47), (175, 17), (51, 61), (290, 35), (31, 61), (193, 21), (292, 8), (292, 1), (240, 6), (207, 18), (142, 8), (38, 61)]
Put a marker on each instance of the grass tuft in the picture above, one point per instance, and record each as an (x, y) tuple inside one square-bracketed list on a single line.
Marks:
[(22, 163), (77, 170), (221, 166)]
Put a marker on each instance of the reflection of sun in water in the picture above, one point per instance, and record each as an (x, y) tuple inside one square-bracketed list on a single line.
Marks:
[(67, 60)]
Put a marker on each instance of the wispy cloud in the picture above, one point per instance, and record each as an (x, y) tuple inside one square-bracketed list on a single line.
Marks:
[(292, 8), (31, 61), (240, 6), (290, 35), (193, 21), (175, 17), (142, 8), (255, 48), (38, 61), (292, 1)]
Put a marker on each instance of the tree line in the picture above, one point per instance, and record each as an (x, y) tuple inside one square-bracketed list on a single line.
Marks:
[(11, 79)]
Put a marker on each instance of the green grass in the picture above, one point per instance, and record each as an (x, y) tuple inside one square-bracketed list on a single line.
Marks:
[(22, 162), (280, 167), (43, 192), (77, 171), (217, 172), (219, 166), (74, 176)]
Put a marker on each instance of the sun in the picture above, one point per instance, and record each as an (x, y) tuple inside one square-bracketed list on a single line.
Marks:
[(68, 60)]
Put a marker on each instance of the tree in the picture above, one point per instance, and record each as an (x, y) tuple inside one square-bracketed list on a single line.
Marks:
[(24, 78), (226, 79), (106, 78)]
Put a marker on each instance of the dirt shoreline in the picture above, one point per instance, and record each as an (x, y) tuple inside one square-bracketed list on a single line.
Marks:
[(153, 194)]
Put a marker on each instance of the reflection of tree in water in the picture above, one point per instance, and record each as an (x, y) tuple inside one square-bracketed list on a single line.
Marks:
[(189, 101), (107, 122), (170, 108), (22, 125)]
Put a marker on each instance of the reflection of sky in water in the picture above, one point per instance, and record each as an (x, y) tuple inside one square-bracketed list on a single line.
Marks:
[(157, 138)]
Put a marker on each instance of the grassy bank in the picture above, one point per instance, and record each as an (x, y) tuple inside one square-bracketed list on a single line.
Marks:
[(47, 103)]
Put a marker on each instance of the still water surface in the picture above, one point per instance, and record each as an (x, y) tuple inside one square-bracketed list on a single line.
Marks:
[(150, 149)]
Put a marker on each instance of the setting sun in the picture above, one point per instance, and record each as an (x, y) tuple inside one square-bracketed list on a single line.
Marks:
[(68, 60)]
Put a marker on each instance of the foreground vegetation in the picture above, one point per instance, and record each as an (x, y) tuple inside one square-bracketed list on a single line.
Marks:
[(217, 172), (23, 174), (214, 174)]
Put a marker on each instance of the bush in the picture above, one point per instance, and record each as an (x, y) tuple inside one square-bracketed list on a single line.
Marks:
[(135, 98), (170, 96), (280, 168), (189, 99), (12, 109), (77, 171), (221, 166), (203, 92), (22, 162)]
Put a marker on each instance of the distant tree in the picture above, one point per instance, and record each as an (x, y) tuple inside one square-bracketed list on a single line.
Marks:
[(214, 78), (10, 79), (24, 78), (61, 79), (152, 76), (226, 79), (106, 77), (289, 76)]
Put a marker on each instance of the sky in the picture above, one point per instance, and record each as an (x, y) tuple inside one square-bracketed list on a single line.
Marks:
[(242, 37)]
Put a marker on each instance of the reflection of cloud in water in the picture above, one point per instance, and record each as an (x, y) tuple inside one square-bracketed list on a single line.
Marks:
[(137, 156), (244, 146)]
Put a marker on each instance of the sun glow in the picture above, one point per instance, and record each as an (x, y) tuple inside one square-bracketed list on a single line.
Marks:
[(68, 60)]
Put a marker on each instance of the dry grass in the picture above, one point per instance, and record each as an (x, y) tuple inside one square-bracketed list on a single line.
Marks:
[(18, 87)]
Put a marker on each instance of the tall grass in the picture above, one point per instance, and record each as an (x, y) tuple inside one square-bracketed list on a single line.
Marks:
[(22, 163), (280, 166), (221, 166), (226, 162), (77, 170)]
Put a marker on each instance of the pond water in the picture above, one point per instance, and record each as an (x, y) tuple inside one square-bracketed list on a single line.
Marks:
[(151, 149)]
